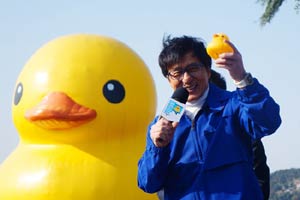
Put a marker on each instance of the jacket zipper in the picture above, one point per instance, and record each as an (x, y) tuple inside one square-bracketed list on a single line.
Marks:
[(197, 142)]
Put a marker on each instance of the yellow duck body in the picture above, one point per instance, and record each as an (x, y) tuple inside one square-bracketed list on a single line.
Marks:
[(81, 107), (218, 45)]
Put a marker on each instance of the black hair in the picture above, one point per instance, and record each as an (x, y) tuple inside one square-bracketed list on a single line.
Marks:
[(217, 79), (174, 49)]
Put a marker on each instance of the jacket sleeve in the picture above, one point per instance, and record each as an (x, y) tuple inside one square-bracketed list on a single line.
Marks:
[(259, 113), (152, 167)]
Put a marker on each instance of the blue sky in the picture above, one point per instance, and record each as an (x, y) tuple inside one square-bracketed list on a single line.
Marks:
[(270, 53)]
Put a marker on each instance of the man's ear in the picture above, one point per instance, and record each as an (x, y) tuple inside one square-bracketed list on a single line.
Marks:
[(208, 72)]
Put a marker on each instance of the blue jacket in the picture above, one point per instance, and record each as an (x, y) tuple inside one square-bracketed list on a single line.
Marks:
[(211, 156)]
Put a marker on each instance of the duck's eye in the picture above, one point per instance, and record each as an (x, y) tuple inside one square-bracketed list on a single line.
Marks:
[(113, 91), (18, 93)]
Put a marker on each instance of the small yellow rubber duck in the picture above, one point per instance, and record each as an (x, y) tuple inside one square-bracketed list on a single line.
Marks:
[(82, 105), (218, 45)]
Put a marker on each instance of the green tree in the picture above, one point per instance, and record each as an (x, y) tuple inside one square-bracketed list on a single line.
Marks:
[(271, 8), (284, 185)]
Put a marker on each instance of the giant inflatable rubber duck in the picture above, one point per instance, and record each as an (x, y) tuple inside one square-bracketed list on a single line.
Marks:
[(82, 104)]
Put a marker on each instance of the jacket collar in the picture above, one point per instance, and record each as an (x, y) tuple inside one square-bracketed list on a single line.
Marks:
[(216, 97)]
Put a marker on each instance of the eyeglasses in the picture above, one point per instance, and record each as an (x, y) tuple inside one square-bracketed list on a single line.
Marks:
[(192, 69)]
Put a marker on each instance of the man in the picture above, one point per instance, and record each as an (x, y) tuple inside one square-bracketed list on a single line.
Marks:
[(208, 154)]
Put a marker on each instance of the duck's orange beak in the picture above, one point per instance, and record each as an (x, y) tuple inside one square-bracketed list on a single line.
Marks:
[(58, 111)]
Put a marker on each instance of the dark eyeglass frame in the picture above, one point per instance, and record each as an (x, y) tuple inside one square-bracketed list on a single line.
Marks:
[(192, 69)]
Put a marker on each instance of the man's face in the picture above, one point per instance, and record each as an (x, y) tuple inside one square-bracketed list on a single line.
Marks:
[(191, 74)]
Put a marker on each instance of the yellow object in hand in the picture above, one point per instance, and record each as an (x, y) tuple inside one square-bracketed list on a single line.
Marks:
[(218, 45)]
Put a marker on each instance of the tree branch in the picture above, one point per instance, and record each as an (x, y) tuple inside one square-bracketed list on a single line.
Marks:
[(270, 11)]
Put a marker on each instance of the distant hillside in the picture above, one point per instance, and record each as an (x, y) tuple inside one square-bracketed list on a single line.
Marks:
[(285, 185)]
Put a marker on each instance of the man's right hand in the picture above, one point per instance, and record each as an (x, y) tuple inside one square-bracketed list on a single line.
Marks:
[(162, 132)]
